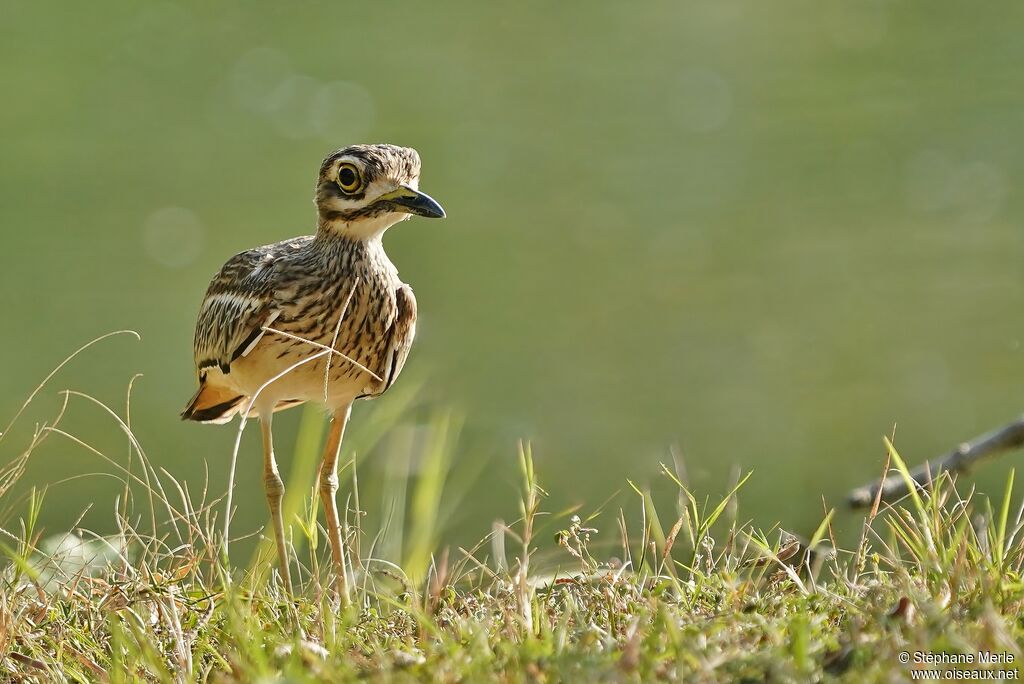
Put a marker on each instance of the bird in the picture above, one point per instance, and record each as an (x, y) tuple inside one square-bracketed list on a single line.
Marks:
[(321, 318)]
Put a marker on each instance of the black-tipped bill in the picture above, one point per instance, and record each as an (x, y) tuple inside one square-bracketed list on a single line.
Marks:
[(411, 201)]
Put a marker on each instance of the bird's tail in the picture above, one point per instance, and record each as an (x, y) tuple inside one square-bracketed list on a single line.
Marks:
[(212, 405)]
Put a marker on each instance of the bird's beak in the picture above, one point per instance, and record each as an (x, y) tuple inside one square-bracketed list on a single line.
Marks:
[(410, 201)]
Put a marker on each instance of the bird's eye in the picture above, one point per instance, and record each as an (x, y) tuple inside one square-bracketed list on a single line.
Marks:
[(348, 178)]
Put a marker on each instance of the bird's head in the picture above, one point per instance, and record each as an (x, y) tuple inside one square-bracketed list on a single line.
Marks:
[(363, 190)]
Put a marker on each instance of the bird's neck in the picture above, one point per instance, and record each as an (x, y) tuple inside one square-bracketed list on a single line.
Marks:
[(343, 256), (346, 249), (367, 228), (331, 241)]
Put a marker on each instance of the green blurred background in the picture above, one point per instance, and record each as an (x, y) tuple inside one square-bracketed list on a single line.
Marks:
[(756, 234)]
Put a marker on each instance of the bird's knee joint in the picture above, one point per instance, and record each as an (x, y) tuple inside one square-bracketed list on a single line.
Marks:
[(329, 483), (274, 485)]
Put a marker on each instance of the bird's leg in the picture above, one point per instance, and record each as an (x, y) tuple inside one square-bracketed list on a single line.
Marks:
[(275, 492), (328, 489)]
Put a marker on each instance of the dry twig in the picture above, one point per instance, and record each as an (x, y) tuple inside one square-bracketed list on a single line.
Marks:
[(960, 460)]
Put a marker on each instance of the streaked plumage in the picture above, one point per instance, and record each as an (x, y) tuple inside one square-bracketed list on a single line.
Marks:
[(301, 286), (272, 307)]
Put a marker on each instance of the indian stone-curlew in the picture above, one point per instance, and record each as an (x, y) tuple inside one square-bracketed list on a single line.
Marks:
[(321, 318)]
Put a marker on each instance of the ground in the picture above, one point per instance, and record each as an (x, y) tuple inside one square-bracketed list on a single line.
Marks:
[(931, 590)]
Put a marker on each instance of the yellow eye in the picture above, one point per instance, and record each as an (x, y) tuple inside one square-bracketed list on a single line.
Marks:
[(348, 178)]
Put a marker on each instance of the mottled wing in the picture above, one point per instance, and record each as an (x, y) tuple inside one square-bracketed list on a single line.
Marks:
[(240, 302), (400, 335)]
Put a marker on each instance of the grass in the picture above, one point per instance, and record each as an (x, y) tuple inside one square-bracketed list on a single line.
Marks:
[(691, 594)]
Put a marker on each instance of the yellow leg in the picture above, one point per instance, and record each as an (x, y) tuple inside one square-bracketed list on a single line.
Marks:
[(275, 492), (328, 490)]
